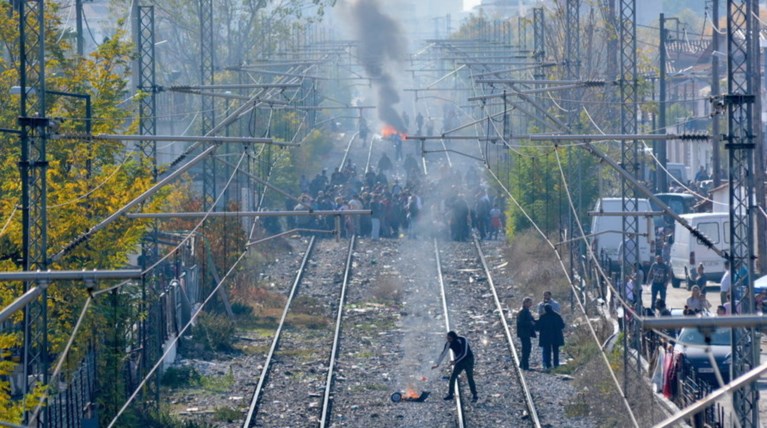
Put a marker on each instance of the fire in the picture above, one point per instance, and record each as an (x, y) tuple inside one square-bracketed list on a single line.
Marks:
[(387, 131), (411, 393)]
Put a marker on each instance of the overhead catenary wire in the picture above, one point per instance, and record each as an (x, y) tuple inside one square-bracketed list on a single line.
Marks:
[(561, 262)]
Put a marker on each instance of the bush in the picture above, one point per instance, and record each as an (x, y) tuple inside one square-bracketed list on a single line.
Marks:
[(214, 332), (181, 377), (241, 310)]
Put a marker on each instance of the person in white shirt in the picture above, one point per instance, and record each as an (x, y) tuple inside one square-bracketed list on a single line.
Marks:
[(547, 300), (697, 302), (725, 284)]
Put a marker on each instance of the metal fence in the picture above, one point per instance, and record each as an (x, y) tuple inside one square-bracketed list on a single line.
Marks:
[(75, 403)]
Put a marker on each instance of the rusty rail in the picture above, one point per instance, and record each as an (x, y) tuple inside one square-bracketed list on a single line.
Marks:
[(253, 408), (532, 410)]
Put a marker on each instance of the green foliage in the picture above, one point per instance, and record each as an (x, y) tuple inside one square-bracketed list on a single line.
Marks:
[(546, 202), (181, 377), (242, 310), (214, 332), (218, 383)]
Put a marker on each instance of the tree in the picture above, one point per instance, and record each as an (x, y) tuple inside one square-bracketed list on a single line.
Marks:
[(87, 180)]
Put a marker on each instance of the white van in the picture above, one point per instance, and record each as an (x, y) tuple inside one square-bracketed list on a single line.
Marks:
[(687, 251), (607, 231)]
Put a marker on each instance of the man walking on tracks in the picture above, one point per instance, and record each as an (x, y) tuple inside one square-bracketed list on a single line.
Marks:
[(658, 275), (464, 360), (525, 331)]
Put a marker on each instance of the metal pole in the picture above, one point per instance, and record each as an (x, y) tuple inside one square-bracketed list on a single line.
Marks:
[(716, 168), (79, 26), (661, 181), (740, 146)]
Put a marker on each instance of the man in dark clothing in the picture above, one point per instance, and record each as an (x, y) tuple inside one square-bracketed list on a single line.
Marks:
[(463, 360), (525, 331), (550, 325), (658, 275)]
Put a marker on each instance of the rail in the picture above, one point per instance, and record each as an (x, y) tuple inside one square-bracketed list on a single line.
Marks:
[(253, 409), (532, 410), (370, 153), (346, 152), (326, 403), (457, 392)]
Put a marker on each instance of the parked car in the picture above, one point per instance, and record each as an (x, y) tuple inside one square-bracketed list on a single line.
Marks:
[(691, 343)]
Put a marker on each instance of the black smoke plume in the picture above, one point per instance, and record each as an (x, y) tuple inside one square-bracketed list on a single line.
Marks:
[(381, 45)]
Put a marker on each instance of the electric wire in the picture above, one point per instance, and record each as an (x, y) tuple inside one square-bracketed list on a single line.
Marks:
[(10, 218), (561, 262)]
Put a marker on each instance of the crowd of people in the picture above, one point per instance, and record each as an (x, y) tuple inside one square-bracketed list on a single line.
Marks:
[(447, 205)]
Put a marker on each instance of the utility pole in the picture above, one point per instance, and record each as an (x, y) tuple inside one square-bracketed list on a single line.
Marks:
[(716, 159), (661, 181), (539, 46), (151, 339), (207, 103), (572, 73), (79, 26), (34, 187), (630, 162), (740, 146), (759, 173)]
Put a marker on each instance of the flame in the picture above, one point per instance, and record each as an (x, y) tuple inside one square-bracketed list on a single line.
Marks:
[(411, 393), (388, 130)]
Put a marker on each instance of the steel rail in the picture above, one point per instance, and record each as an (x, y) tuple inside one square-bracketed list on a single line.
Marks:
[(532, 410), (331, 364), (253, 408), (370, 154), (457, 392), (346, 152)]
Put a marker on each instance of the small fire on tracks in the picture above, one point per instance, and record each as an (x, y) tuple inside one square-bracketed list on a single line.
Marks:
[(410, 394)]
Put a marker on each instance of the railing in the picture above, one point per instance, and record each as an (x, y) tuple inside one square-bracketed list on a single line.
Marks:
[(74, 405), (692, 389)]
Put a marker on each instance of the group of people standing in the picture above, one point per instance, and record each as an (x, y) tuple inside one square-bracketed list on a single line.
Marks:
[(448, 205), (549, 328)]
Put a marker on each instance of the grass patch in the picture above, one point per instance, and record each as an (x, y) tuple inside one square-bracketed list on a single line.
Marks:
[(300, 354), (304, 320), (226, 414), (218, 383)]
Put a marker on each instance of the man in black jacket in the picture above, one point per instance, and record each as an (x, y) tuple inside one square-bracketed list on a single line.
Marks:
[(525, 331), (463, 360), (551, 326)]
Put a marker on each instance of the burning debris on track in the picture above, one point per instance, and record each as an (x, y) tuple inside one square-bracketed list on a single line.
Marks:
[(410, 394)]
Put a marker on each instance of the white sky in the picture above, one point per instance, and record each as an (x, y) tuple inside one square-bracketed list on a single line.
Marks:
[(468, 4)]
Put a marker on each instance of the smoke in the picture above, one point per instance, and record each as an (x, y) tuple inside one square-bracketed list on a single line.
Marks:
[(381, 45)]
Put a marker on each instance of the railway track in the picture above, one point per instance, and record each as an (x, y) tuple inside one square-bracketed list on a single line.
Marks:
[(475, 311), (297, 374)]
